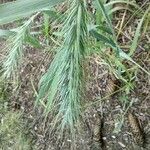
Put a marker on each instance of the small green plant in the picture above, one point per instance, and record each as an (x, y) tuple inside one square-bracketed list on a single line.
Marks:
[(11, 132)]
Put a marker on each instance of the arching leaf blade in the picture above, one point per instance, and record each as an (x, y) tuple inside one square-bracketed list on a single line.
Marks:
[(22, 8)]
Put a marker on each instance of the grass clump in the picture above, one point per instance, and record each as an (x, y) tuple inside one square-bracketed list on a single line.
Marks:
[(11, 136)]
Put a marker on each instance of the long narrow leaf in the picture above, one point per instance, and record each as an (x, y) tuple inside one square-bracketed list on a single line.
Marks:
[(102, 38), (138, 33), (22, 8), (127, 57), (105, 14)]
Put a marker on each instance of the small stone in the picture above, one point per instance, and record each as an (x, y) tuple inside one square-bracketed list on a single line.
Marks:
[(113, 136), (68, 140), (104, 138), (121, 144)]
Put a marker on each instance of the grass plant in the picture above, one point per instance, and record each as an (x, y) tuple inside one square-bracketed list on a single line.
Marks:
[(62, 87)]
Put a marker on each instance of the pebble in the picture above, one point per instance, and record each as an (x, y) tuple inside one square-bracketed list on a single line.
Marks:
[(121, 144), (113, 136), (104, 138)]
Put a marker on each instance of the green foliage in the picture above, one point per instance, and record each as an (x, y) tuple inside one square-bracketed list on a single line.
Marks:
[(62, 85), (11, 132), (61, 88), (22, 8), (13, 59), (6, 33), (138, 32)]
